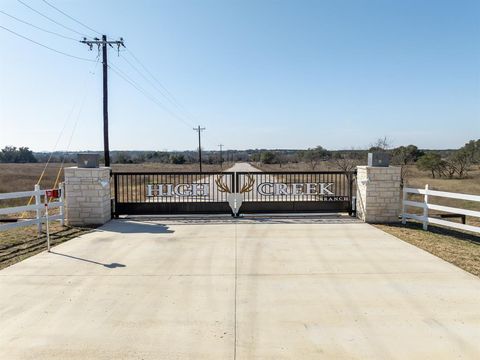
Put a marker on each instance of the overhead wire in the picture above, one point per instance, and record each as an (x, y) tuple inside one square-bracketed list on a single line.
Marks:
[(74, 128), (71, 17), (45, 46), (42, 174), (149, 96), (165, 93), (52, 20), (55, 146), (38, 27), (162, 92), (170, 95)]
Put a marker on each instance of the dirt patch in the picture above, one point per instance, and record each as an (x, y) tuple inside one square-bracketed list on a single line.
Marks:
[(459, 248), (19, 244)]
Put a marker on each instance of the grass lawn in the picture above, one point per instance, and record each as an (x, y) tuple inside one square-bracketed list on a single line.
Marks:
[(459, 248), (21, 243)]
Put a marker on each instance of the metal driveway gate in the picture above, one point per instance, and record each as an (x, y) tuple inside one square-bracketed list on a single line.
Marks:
[(226, 192), (170, 193), (277, 192)]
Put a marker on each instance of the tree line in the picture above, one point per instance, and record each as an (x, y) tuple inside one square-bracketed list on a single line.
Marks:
[(439, 163), (11, 154), (457, 164)]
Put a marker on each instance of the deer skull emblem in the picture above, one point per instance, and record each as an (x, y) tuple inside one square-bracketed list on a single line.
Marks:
[(235, 199)]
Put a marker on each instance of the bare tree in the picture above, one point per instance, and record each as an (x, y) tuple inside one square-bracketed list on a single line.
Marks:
[(381, 144), (459, 163), (348, 160), (315, 156), (405, 157)]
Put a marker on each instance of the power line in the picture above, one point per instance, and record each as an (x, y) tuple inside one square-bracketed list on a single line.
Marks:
[(152, 98), (165, 93), (56, 143), (52, 20), (170, 95), (37, 27), (74, 126), (45, 46), (146, 78), (132, 82), (71, 18)]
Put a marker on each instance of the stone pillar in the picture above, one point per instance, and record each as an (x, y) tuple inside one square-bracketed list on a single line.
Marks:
[(378, 193), (87, 194)]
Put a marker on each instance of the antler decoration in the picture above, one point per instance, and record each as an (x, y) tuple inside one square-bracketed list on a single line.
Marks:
[(248, 186), (222, 187)]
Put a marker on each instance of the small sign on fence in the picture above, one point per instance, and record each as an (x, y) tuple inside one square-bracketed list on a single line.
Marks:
[(53, 193)]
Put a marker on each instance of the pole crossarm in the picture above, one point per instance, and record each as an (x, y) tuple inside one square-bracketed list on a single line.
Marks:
[(97, 41)]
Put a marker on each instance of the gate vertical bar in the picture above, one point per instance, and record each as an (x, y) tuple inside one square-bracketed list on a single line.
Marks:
[(235, 182), (38, 211), (62, 200), (115, 194), (425, 209), (404, 198), (350, 191)]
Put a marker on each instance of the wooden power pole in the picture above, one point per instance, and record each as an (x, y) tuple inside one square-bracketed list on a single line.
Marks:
[(199, 129), (221, 155), (102, 44)]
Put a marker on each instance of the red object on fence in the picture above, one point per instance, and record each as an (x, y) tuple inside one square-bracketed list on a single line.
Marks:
[(52, 193)]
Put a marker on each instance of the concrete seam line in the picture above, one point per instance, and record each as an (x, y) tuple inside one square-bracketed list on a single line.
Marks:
[(235, 301)]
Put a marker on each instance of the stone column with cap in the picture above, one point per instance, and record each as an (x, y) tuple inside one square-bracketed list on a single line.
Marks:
[(378, 193), (87, 195)]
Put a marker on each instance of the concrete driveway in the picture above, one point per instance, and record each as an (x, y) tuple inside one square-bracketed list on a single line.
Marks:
[(246, 289)]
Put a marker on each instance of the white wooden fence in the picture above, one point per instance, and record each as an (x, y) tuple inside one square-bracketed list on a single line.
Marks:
[(38, 207), (426, 206)]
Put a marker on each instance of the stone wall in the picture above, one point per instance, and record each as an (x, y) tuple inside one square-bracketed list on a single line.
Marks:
[(378, 193), (87, 195)]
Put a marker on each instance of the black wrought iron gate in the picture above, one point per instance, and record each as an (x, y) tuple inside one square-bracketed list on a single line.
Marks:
[(282, 192), (170, 193), (145, 193)]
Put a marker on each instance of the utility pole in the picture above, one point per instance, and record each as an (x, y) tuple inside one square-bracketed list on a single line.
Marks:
[(199, 129), (221, 156), (102, 44)]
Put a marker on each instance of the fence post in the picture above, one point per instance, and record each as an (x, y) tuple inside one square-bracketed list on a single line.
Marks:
[(62, 207), (425, 208), (38, 211), (48, 228), (404, 218)]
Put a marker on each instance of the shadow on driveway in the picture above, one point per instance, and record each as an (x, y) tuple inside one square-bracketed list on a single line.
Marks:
[(130, 227), (110, 266)]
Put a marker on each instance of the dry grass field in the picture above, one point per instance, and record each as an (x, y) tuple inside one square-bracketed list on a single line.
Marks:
[(300, 166), (168, 167), (22, 177)]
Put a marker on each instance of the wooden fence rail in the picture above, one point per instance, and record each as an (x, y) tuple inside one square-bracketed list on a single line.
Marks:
[(38, 207), (426, 206)]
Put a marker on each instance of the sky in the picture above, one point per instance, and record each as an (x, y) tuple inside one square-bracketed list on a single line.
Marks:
[(256, 74)]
